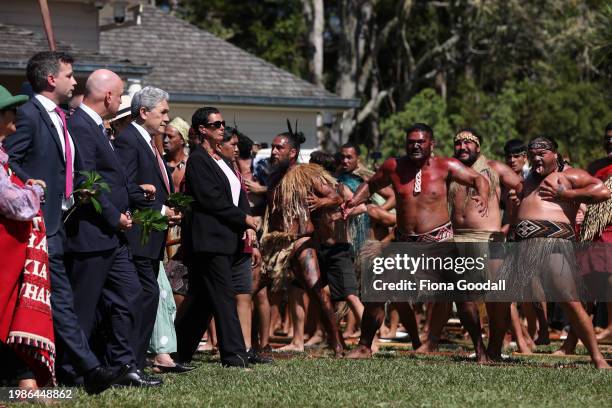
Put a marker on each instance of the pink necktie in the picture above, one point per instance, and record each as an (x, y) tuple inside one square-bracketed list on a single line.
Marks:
[(68, 150), (162, 167)]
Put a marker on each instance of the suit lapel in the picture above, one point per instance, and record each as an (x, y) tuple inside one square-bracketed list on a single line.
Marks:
[(51, 127), (220, 174), (105, 142), (95, 129), (151, 155)]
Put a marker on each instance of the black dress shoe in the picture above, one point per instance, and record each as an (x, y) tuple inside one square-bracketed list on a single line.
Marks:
[(236, 361), (135, 378), (148, 377), (255, 358), (265, 349), (177, 368), (101, 378)]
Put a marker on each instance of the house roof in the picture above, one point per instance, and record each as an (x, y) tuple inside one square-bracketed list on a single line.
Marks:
[(193, 65), (18, 46)]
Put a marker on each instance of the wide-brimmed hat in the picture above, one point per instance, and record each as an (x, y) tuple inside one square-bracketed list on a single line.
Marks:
[(7, 100), (124, 108)]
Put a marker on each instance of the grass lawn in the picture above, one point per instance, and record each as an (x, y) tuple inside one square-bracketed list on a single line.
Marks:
[(394, 378)]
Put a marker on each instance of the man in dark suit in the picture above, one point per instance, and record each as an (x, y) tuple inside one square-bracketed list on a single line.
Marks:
[(97, 256), (144, 164), (42, 148), (216, 225)]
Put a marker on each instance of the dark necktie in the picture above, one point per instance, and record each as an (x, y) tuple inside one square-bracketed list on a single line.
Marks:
[(105, 133)]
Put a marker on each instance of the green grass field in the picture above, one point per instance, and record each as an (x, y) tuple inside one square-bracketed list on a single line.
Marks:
[(393, 378)]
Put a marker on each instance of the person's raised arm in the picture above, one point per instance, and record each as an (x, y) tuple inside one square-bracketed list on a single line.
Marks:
[(389, 196), (508, 178), (470, 178), (323, 196), (379, 180)]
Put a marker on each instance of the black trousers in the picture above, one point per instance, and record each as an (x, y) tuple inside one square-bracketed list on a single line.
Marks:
[(147, 269), (105, 283), (71, 341), (211, 293)]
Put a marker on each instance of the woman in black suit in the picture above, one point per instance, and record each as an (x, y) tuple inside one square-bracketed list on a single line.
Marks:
[(215, 227)]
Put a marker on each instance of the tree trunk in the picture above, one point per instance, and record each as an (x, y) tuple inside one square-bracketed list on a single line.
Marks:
[(441, 83), (315, 21)]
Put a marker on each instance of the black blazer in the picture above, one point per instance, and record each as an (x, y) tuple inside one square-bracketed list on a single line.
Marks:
[(86, 230), (35, 152), (215, 224), (140, 166)]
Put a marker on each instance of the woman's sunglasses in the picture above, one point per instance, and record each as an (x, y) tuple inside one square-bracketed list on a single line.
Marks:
[(217, 124)]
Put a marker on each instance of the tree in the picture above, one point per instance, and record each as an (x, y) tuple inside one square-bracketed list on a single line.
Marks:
[(507, 68), (425, 107), (271, 29), (315, 22)]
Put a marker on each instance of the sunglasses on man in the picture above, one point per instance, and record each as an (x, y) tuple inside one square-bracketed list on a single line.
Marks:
[(217, 124)]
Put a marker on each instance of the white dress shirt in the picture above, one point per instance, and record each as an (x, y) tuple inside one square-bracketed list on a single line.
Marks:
[(233, 180), (147, 138), (145, 135), (96, 118), (50, 106)]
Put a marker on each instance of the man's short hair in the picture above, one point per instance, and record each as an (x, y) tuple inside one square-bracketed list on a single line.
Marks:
[(608, 128), (420, 127), (200, 117), (473, 132), (324, 160), (514, 146), (148, 97), (43, 64), (351, 145)]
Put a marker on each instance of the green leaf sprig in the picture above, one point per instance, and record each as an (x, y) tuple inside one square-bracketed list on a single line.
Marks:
[(88, 191), (180, 201), (149, 220)]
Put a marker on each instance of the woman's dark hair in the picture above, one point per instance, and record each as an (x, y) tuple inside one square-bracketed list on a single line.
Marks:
[(245, 145), (324, 160), (200, 117), (228, 134)]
